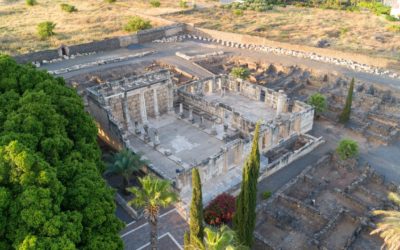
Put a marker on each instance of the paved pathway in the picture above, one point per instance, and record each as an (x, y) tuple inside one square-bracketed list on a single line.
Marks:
[(167, 51), (171, 228)]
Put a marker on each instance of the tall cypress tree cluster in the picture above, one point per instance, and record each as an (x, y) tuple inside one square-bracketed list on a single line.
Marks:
[(245, 216), (345, 115)]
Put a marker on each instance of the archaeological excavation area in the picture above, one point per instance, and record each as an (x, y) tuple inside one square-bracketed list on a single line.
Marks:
[(328, 206), (173, 100)]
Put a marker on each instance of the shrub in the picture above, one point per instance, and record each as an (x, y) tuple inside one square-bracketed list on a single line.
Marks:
[(391, 18), (68, 8), (183, 4), (110, 1), (347, 149), (137, 23), (394, 28), (220, 210), (238, 12), (30, 2), (266, 194), (155, 3), (318, 102), (239, 72), (45, 29), (377, 8)]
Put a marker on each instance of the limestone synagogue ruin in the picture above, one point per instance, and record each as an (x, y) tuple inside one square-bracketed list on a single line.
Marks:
[(179, 125)]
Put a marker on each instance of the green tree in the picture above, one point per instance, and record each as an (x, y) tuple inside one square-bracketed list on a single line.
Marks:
[(196, 209), (153, 194), (318, 102), (388, 226), (347, 148), (46, 29), (52, 195), (245, 216), (345, 115), (239, 72), (125, 163)]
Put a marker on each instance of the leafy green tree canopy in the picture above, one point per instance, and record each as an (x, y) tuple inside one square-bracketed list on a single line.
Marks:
[(52, 195)]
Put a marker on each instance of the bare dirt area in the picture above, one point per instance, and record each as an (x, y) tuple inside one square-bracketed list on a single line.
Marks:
[(94, 20), (367, 35)]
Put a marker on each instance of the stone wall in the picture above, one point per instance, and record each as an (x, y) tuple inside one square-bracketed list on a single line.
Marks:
[(230, 155), (104, 45)]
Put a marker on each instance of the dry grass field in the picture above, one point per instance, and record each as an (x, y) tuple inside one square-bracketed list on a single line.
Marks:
[(94, 20), (357, 32)]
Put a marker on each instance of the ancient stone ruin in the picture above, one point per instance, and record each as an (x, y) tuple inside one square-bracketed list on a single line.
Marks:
[(206, 124), (328, 206)]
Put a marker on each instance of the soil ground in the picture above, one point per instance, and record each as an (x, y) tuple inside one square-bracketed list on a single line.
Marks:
[(94, 20), (356, 32)]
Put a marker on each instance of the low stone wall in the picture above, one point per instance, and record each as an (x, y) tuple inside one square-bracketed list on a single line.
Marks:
[(104, 45), (289, 157), (357, 62), (127, 208)]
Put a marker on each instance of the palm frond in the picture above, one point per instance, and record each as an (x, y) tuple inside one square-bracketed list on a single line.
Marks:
[(388, 228)]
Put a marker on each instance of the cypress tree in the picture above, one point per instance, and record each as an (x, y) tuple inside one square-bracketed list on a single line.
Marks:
[(196, 210), (186, 241), (345, 115), (244, 219)]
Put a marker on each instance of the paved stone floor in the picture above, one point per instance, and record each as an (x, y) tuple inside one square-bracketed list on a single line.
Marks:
[(251, 109), (171, 228), (186, 141)]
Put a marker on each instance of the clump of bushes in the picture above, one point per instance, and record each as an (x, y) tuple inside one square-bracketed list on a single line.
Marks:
[(266, 195), (137, 23), (110, 1), (394, 28), (68, 8), (391, 18), (46, 29), (347, 149), (30, 2), (237, 12), (376, 7), (239, 72), (257, 5), (155, 3), (220, 210), (183, 4)]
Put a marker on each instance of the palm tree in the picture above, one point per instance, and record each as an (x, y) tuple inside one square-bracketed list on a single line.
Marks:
[(223, 238), (125, 163), (388, 226), (154, 194)]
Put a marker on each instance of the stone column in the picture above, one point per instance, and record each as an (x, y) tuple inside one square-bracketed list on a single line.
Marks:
[(125, 110), (281, 102), (210, 86), (156, 110), (180, 110), (156, 138), (143, 111), (191, 114), (170, 99)]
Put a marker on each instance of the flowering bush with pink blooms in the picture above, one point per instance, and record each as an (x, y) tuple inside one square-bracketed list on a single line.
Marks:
[(220, 210)]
